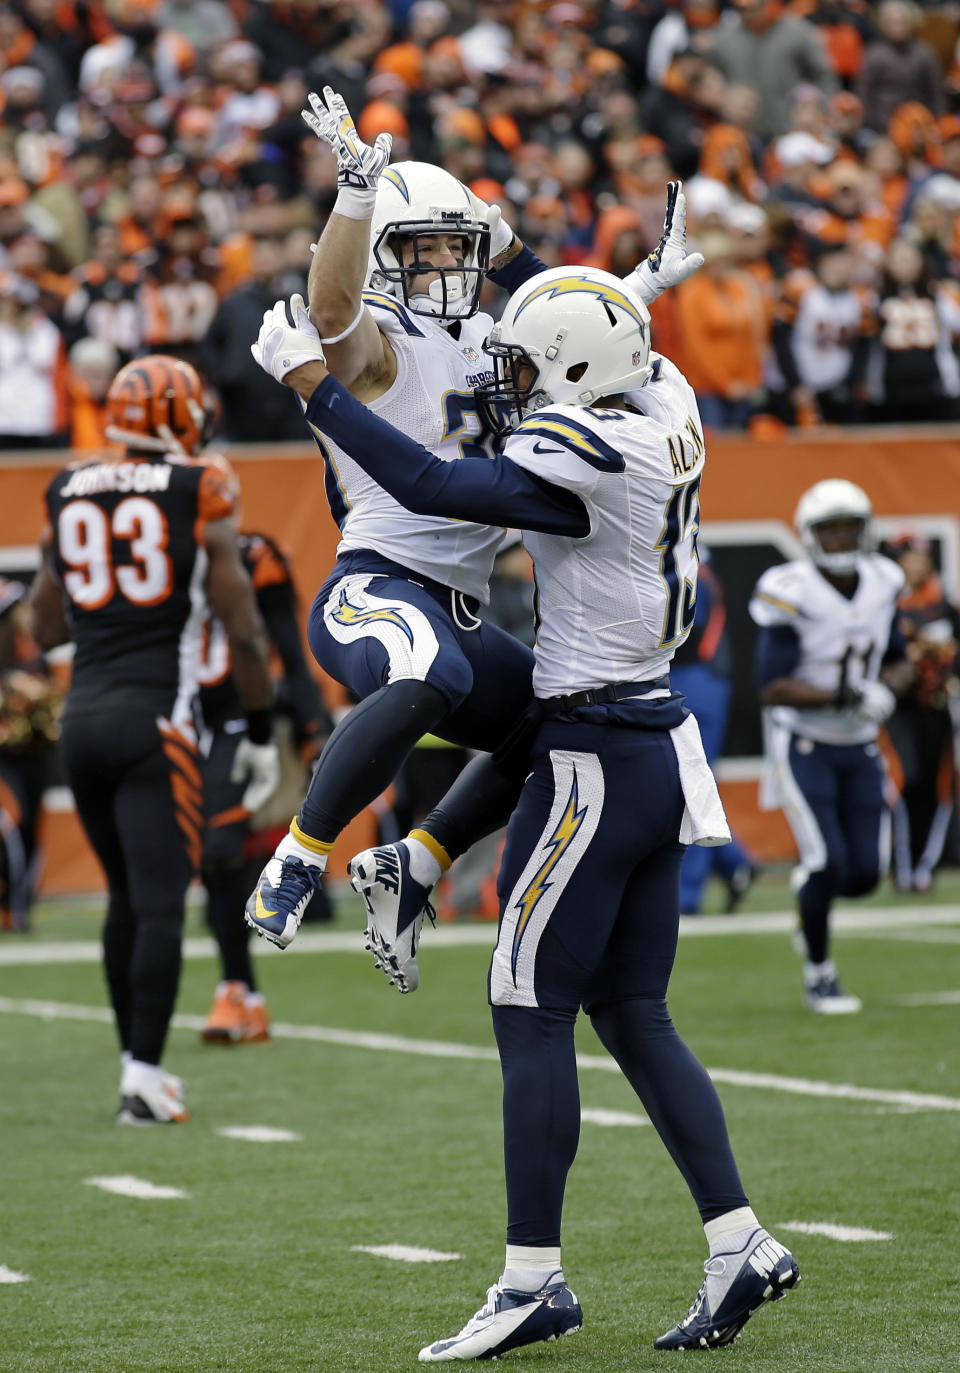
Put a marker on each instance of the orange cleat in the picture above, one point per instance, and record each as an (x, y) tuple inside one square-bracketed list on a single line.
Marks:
[(257, 1022), (227, 1021)]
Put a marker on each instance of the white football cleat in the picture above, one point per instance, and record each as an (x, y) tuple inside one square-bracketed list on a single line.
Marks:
[(509, 1319), (396, 905), (150, 1096), (735, 1285)]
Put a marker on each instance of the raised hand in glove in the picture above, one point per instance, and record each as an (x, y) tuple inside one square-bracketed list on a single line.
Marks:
[(669, 263), (282, 346), (359, 165), (259, 766)]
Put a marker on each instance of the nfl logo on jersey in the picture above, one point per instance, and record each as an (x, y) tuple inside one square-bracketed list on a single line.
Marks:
[(470, 354)]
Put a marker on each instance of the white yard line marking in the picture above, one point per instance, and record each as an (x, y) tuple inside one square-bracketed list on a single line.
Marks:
[(438, 1048), (849, 1234), (598, 1116), (260, 1134), (930, 999), (919, 936), (405, 1253), (864, 922), (126, 1185), (9, 1275)]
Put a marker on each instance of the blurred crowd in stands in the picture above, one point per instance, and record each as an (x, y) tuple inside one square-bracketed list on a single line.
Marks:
[(158, 188)]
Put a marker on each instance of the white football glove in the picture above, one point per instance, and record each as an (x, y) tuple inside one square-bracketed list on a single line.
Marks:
[(280, 346), (261, 764), (876, 701), (359, 164), (501, 235), (669, 264)]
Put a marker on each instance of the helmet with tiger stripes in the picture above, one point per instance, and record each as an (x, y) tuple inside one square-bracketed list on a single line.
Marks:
[(158, 403)]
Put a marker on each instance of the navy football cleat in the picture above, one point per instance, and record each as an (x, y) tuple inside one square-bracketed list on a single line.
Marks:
[(396, 905), (826, 996), (276, 905), (509, 1319), (735, 1286)]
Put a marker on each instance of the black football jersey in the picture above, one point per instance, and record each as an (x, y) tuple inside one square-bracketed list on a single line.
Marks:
[(126, 542)]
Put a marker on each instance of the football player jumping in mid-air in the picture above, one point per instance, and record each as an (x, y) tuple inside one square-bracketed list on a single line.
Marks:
[(602, 468), (830, 660), (394, 291), (135, 548)]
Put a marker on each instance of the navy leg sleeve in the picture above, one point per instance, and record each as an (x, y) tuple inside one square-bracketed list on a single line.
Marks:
[(677, 1095), (541, 1117), (364, 754)]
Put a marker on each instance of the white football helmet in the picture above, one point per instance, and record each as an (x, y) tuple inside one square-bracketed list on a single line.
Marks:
[(585, 334), (834, 499), (415, 200)]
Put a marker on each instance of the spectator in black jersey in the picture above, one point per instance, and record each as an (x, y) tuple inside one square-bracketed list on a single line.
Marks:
[(131, 547), (916, 364), (233, 840)]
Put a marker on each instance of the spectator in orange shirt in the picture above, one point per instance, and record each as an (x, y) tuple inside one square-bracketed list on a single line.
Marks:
[(723, 323)]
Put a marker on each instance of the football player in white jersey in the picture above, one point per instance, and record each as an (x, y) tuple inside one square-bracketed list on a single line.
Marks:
[(602, 469), (829, 661), (394, 289)]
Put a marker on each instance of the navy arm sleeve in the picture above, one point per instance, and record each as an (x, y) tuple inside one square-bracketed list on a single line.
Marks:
[(778, 653), (488, 490), (524, 266)]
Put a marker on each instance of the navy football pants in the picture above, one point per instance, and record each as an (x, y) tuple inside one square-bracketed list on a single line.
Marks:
[(589, 917)]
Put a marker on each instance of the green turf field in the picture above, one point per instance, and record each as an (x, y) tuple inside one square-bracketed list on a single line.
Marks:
[(255, 1269)]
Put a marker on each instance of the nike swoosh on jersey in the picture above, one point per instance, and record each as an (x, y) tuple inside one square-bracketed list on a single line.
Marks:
[(538, 448)]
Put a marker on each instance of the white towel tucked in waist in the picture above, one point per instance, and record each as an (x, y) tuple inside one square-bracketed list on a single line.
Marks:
[(703, 822)]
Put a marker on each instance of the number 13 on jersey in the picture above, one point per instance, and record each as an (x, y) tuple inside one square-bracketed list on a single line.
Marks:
[(677, 546)]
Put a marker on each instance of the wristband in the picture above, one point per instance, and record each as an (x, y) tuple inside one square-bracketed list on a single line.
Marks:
[(258, 726), (354, 203), (338, 338)]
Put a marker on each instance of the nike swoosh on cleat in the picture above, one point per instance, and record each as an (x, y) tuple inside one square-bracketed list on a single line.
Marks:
[(262, 912)]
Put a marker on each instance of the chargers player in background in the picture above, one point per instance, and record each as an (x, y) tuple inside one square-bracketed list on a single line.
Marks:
[(394, 291), (239, 1013), (829, 661), (134, 548), (613, 775)]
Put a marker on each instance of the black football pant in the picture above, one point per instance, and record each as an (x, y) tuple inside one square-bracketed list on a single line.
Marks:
[(138, 791)]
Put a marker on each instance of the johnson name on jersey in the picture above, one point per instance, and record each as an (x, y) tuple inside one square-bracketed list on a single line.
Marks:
[(431, 401), (126, 543), (614, 606), (841, 641)]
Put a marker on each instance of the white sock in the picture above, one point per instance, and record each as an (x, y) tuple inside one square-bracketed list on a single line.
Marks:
[(254, 999), (290, 847), (813, 972), (424, 868), (528, 1268), (138, 1076), (730, 1232)]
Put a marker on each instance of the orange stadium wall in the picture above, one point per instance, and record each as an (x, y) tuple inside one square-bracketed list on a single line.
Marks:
[(748, 497)]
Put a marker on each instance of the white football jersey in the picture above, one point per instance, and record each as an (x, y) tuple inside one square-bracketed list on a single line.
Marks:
[(827, 328), (841, 639), (613, 606), (432, 401)]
